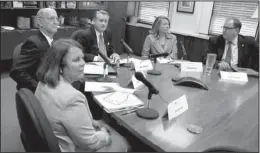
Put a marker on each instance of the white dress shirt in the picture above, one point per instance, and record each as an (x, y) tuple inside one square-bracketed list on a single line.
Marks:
[(234, 49), (48, 38)]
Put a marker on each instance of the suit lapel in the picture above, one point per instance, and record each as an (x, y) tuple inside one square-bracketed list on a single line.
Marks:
[(94, 36), (240, 49), (221, 43), (44, 41), (157, 45), (168, 44)]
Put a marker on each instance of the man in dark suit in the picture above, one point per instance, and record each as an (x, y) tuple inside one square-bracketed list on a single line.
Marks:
[(233, 49), (97, 35), (33, 50)]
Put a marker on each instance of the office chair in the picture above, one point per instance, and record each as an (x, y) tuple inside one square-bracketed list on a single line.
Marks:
[(16, 53), (36, 132)]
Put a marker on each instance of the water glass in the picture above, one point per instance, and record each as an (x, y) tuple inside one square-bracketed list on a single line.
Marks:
[(211, 59)]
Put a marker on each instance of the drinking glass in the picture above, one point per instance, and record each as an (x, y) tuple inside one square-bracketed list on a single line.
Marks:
[(211, 59)]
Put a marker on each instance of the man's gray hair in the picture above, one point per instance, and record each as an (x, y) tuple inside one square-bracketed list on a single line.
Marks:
[(100, 12)]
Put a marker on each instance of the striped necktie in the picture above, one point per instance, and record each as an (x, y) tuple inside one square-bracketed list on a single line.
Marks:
[(229, 53), (102, 46)]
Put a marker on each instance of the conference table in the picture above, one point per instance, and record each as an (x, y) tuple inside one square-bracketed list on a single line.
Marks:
[(227, 112)]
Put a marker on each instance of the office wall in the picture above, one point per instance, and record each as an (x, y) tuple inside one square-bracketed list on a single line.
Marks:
[(194, 24)]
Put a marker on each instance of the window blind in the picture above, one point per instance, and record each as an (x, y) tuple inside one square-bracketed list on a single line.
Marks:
[(241, 10), (149, 10)]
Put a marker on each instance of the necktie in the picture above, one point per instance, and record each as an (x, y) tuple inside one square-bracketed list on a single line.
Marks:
[(229, 53), (102, 46)]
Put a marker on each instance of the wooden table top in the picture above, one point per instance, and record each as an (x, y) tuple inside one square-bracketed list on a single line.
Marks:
[(227, 113)]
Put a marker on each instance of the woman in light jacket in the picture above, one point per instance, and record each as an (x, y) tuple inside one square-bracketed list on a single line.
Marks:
[(160, 40), (67, 108)]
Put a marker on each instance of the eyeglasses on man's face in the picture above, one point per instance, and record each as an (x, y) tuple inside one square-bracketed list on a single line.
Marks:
[(51, 18), (227, 28)]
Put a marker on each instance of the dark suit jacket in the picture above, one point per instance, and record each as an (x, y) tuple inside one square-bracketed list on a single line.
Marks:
[(32, 52), (248, 51), (87, 38)]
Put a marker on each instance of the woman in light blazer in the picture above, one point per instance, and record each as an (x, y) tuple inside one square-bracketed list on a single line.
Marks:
[(67, 108), (160, 40)]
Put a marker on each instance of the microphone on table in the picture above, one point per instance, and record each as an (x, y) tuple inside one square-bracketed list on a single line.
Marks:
[(147, 113), (107, 62), (159, 55), (128, 50), (104, 57), (154, 71)]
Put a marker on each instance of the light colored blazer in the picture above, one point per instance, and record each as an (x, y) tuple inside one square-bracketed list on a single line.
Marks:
[(153, 46), (69, 115)]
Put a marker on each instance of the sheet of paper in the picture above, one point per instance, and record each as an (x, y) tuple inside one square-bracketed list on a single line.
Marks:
[(125, 60), (142, 65), (177, 107), (95, 68), (118, 101), (192, 67), (106, 87), (163, 60), (234, 76)]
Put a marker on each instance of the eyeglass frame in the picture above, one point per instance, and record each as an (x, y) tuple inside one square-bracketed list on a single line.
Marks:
[(228, 28), (50, 18)]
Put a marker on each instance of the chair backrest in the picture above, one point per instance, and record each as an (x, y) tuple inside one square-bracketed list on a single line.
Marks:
[(226, 149), (16, 53), (34, 123)]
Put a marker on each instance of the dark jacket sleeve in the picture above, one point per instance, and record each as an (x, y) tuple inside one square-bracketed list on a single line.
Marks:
[(23, 69), (211, 48), (85, 39), (254, 53)]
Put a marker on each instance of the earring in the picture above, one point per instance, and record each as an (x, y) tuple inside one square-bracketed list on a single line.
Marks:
[(60, 71)]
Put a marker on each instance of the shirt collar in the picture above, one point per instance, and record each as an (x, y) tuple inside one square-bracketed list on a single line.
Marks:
[(47, 37), (98, 33), (234, 41), (167, 36)]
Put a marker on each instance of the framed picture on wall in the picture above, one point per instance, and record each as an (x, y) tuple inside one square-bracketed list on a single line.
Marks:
[(186, 6)]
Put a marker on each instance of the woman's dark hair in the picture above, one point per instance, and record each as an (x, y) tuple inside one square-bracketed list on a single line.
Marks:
[(50, 67)]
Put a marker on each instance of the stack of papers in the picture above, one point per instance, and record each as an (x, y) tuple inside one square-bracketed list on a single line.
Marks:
[(118, 101)]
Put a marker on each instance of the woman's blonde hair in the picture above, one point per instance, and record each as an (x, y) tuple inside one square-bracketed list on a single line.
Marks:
[(156, 25)]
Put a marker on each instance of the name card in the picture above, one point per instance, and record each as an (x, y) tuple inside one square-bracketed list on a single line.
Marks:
[(177, 107), (234, 76), (142, 65), (95, 68), (191, 67)]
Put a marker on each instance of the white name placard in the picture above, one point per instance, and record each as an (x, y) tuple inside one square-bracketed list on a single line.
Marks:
[(177, 107), (234, 76), (191, 67), (142, 65)]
